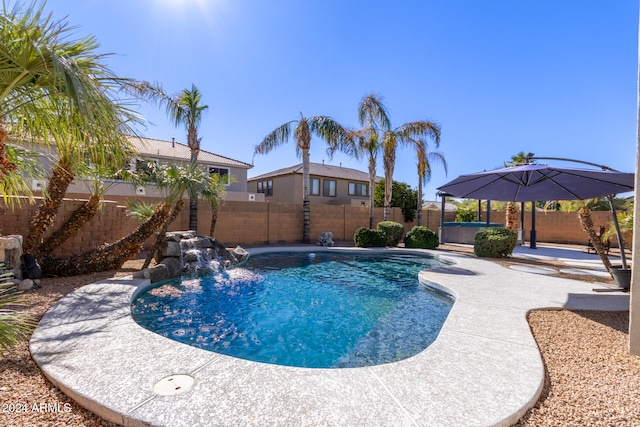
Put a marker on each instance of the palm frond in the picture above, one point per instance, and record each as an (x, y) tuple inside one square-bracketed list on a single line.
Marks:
[(277, 137)]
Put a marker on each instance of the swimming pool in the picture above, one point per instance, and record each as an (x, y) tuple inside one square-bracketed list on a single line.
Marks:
[(320, 310)]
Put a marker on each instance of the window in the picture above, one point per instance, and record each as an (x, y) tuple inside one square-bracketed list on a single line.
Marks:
[(223, 173), (358, 189), (329, 188), (314, 186), (265, 187)]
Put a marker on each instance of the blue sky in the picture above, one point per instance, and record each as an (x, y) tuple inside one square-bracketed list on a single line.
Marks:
[(556, 78)]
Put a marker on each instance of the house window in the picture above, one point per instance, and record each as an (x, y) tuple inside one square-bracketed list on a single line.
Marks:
[(329, 188), (358, 189), (265, 187), (223, 173), (314, 186)]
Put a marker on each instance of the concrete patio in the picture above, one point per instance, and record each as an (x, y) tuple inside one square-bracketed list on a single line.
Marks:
[(483, 370)]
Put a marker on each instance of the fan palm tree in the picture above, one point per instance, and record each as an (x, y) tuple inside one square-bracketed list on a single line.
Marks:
[(404, 134), (185, 109), (367, 141), (55, 88), (425, 158), (324, 127)]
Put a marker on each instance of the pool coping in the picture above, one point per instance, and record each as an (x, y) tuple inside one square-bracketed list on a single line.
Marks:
[(484, 369)]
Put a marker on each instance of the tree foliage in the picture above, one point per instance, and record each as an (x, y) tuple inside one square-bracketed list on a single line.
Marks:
[(403, 197)]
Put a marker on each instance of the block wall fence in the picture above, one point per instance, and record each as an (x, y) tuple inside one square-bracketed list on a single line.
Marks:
[(269, 223)]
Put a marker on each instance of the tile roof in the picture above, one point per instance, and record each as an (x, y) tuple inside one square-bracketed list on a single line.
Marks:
[(158, 148), (320, 169)]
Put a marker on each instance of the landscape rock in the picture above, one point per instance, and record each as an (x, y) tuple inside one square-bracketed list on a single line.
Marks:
[(25, 285)]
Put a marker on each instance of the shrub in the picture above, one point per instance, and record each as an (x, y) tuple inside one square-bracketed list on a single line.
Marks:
[(393, 231), (494, 242), (466, 215), (366, 237), (421, 237)]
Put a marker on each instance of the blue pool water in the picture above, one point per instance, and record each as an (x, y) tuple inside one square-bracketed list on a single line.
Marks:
[(326, 310)]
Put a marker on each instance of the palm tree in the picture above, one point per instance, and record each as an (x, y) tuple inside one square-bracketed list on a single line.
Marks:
[(185, 109), (324, 127), (177, 180), (56, 88), (215, 194), (425, 157), (83, 214), (511, 210), (374, 119), (404, 134)]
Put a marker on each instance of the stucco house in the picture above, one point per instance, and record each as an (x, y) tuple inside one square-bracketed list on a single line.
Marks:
[(329, 185), (170, 152)]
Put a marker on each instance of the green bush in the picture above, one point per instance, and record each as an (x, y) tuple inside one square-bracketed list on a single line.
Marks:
[(494, 242), (393, 231), (366, 237), (421, 237), (466, 215)]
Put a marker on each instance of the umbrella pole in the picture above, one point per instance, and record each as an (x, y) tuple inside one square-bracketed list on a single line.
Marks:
[(532, 237), (623, 256), (522, 223)]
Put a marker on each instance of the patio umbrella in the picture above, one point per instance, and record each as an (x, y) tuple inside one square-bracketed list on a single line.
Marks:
[(533, 182)]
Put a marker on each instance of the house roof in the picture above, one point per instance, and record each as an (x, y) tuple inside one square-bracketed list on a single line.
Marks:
[(429, 204), (320, 169), (158, 148)]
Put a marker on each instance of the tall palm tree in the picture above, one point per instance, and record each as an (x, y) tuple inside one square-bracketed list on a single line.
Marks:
[(406, 135), (425, 158), (56, 88), (185, 109), (324, 127), (374, 119)]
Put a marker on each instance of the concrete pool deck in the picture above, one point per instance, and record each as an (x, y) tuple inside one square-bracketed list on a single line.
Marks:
[(484, 369)]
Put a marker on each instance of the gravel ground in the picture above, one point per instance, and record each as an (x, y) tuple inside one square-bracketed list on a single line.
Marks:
[(591, 379)]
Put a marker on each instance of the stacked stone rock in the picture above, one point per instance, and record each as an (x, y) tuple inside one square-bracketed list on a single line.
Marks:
[(181, 250)]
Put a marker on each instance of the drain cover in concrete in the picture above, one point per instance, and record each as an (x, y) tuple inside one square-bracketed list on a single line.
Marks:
[(530, 269), (175, 384)]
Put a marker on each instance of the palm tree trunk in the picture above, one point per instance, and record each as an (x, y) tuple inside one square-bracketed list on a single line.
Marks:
[(389, 164), (5, 165), (511, 217), (214, 218), (61, 177), (372, 183), (193, 198), (306, 212), (175, 211), (109, 256), (193, 213), (79, 217), (584, 214), (419, 202)]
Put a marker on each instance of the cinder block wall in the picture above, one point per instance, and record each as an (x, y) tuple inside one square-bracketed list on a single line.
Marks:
[(268, 223)]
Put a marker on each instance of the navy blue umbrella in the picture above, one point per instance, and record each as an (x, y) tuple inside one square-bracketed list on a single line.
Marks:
[(532, 182)]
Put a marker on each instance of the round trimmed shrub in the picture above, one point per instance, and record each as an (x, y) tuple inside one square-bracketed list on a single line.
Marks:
[(421, 237), (367, 237), (393, 231), (494, 242)]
